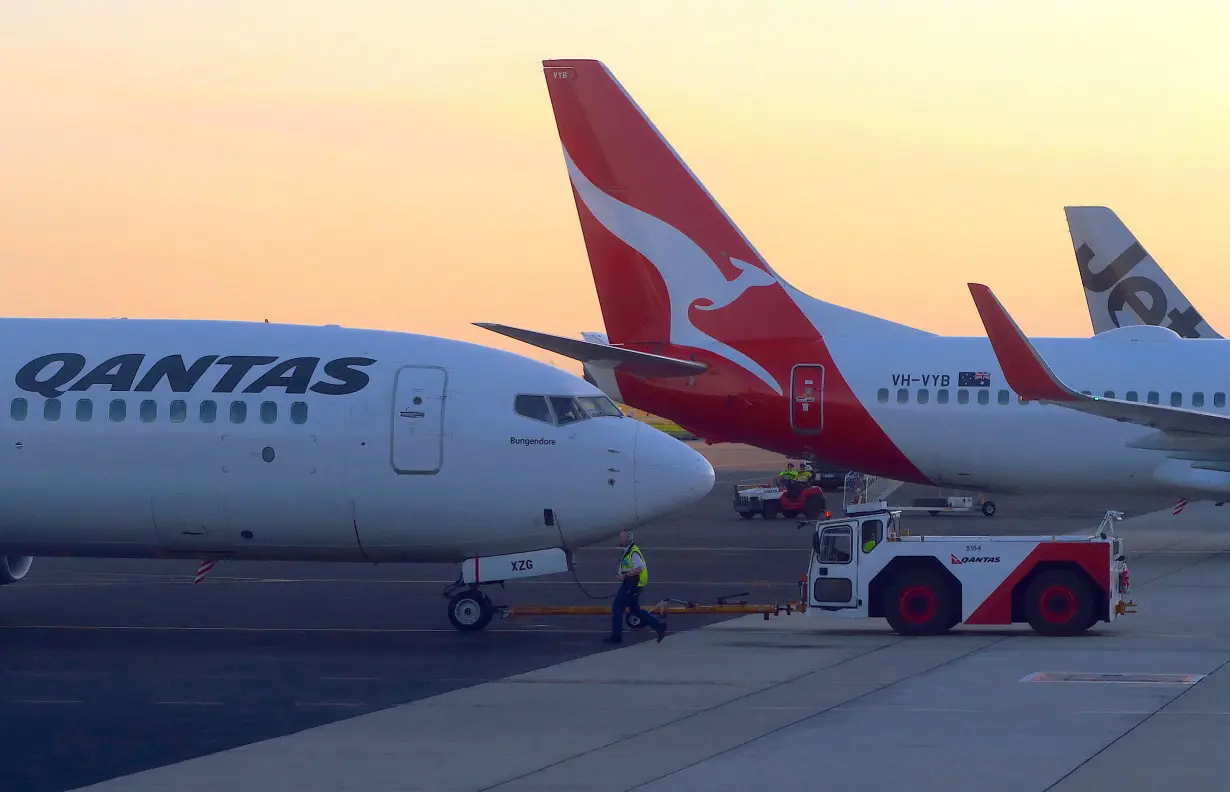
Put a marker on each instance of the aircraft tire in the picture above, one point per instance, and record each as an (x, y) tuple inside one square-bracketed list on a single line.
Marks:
[(470, 611), (988, 509)]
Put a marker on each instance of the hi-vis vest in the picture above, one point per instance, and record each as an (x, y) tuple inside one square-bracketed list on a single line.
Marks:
[(625, 565)]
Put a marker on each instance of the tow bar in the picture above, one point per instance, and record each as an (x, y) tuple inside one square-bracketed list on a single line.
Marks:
[(666, 607)]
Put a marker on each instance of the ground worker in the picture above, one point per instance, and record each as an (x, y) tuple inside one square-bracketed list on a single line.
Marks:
[(633, 574), (789, 474)]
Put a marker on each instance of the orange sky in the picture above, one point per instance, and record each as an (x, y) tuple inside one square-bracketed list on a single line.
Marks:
[(394, 163)]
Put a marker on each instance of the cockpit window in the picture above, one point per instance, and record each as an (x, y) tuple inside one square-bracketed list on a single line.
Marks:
[(566, 410), (599, 406), (533, 407)]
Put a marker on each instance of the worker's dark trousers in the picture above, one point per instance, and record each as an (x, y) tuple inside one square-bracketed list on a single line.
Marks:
[(629, 596)]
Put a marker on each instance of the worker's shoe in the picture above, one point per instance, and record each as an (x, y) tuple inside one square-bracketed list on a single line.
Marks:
[(661, 632)]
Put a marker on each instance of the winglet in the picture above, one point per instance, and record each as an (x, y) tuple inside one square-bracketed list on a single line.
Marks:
[(1024, 369)]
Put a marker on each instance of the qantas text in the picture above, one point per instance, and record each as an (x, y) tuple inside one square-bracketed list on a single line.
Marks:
[(51, 376)]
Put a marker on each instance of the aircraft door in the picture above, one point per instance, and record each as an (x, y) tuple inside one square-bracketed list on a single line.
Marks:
[(834, 568), (807, 398), (418, 420)]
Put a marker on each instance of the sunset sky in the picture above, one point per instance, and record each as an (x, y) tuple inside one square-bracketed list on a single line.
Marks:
[(394, 163)]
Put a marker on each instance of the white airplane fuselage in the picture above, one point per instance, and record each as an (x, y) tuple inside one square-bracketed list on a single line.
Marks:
[(144, 438)]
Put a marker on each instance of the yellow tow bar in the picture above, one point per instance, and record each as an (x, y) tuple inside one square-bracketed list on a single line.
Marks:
[(661, 609)]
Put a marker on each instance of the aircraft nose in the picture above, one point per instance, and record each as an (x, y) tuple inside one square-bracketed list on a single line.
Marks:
[(669, 474)]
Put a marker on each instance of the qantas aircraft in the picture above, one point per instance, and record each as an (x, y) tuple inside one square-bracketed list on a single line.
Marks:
[(701, 330), (212, 439), (1124, 285)]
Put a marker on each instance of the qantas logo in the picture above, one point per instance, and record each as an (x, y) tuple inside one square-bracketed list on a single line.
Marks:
[(51, 376), (1144, 296), (692, 278), (975, 560)]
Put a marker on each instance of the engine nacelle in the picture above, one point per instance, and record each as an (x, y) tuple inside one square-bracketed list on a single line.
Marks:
[(14, 568)]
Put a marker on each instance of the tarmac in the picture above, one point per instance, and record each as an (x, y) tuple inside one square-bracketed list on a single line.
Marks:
[(347, 677)]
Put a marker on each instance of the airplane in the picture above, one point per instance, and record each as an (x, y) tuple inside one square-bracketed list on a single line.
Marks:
[(212, 440), (702, 331), (1194, 439), (1124, 285)]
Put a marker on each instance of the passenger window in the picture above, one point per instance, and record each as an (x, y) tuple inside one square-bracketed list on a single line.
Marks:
[(298, 412), (941, 396), (149, 411), (566, 410), (1219, 400), (1176, 399), (18, 409), (179, 411), (962, 397), (903, 395), (239, 411), (833, 545), (1108, 394), (118, 410), (599, 407), (1132, 396), (51, 410), (85, 409), (984, 397), (1197, 399), (269, 412), (923, 396), (1003, 397), (209, 411), (882, 395), (533, 407), (873, 534)]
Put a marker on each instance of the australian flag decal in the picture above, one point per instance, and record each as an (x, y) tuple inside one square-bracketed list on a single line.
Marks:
[(974, 379)]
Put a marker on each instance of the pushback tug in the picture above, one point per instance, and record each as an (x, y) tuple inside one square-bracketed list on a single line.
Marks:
[(864, 565), (926, 585)]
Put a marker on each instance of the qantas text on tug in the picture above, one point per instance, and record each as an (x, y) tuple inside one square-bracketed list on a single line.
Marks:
[(211, 439), (701, 330)]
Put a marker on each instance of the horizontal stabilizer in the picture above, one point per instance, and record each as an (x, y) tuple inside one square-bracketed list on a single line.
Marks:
[(595, 354)]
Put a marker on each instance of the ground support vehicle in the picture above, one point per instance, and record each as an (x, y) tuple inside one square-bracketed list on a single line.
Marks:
[(770, 500), (866, 566)]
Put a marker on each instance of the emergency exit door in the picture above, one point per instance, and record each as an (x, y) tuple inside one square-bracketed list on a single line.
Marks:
[(418, 419), (807, 398)]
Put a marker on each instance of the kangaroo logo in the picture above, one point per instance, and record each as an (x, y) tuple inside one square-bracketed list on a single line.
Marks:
[(692, 278)]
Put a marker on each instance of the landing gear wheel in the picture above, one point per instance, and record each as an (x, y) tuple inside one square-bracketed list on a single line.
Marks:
[(747, 515), (814, 507), (988, 509), (1059, 602), (470, 610), (920, 602)]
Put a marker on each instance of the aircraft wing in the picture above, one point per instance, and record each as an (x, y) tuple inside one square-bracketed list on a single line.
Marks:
[(591, 353), (1029, 375)]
